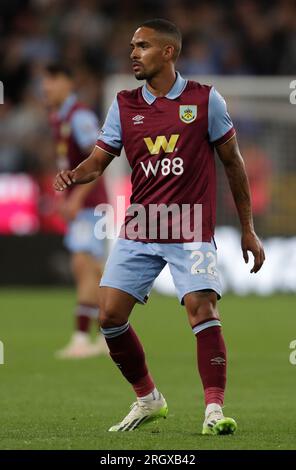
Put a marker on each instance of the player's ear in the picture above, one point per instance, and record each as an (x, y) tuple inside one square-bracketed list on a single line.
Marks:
[(168, 52)]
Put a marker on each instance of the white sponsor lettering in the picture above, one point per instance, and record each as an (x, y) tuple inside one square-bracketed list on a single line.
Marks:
[(150, 167), (166, 166)]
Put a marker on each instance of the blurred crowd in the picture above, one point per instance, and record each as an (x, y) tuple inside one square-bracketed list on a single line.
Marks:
[(228, 37), (93, 36)]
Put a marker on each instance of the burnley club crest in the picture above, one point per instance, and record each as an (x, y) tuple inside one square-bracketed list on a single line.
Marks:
[(188, 113)]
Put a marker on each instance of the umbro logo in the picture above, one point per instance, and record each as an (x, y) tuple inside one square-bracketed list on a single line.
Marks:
[(218, 360), (138, 119)]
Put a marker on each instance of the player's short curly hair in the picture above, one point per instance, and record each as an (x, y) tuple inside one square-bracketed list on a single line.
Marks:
[(166, 28)]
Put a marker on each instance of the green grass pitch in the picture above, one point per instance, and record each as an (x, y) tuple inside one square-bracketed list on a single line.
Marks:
[(51, 404)]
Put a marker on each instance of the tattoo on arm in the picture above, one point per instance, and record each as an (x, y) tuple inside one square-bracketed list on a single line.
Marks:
[(236, 174)]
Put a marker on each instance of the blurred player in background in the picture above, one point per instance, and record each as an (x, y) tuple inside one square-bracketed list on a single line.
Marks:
[(169, 128), (75, 129)]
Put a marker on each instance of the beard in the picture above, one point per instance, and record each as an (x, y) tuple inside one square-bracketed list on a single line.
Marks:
[(142, 75), (145, 75)]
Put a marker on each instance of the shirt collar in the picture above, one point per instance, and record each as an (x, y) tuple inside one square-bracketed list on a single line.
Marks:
[(66, 106), (176, 90)]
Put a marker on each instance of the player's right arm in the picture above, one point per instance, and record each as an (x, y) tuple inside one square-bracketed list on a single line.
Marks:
[(87, 171)]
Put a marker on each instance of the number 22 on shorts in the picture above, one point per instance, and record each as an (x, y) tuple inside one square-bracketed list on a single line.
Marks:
[(210, 264)]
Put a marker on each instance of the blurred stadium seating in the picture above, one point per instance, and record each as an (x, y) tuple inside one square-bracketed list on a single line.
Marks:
[(247, 49)]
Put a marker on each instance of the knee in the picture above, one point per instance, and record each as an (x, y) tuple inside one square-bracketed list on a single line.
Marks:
[(108, 318), (201, 306), (110, 314)]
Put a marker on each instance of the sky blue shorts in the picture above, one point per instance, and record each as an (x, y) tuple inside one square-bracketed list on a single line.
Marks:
[(132, 267), (80, 236)]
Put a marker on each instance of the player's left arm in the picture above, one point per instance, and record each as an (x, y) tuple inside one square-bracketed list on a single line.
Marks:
[(234, 166)]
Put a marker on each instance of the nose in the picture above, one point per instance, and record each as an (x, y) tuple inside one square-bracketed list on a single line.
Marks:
[(134, 54)]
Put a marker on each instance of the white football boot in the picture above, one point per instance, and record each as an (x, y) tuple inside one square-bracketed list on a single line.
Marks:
[(142, 412), (215, 422), (81, 347)]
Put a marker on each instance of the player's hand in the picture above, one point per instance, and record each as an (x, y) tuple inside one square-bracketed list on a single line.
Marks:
[(250, 242), (63, 180)]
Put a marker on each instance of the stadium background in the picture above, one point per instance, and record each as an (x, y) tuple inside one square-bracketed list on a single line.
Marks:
[(247, 49)]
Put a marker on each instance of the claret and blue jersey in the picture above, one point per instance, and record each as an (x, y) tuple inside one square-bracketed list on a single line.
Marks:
[(169, 142), (75, 129)]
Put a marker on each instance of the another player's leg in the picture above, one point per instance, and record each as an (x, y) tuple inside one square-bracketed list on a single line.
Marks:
[(87, 272), (128, 354), (87, 254), (211, 357)]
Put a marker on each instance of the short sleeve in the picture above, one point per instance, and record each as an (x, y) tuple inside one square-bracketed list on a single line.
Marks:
[(220, 126), (110, 137), (84, 125)]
